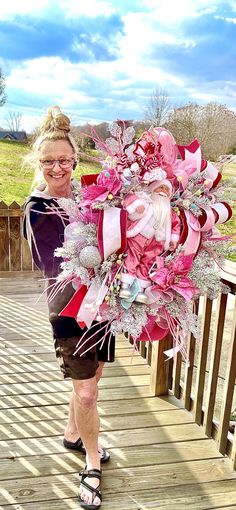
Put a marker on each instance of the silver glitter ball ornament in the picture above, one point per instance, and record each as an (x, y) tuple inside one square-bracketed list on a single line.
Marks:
[(73, 233), (90, 257)]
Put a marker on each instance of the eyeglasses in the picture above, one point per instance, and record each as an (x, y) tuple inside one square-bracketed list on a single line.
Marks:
[(63, 163)]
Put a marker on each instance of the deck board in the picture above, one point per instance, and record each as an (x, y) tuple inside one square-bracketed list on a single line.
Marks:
[(132, 456), (129, 421), (159, 457), (59, 411), (163, 477)]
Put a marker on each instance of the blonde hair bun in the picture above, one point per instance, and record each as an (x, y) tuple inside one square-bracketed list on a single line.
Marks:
[(55, 120)]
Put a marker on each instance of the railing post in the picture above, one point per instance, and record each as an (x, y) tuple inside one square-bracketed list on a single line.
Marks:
[(159, 376), (15, 254), (201, 371), (4, 240), (233, 453), (15, 236), (142, 349), (177, 374), (228, 391), (188, 378), (215, 363)]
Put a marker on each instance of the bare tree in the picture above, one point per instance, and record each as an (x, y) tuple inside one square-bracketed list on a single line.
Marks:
[(2, 89), (214, 125), (218, 132), (183, 122), (13, 121), (158, 108)]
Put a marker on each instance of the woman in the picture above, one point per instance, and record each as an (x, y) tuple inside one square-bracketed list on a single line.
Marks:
[(55, 156)]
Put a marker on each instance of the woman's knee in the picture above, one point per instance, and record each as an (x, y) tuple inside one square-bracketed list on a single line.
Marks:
[(85, 392)]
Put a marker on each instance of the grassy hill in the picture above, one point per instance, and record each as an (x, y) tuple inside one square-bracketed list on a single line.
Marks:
[(16, 182)]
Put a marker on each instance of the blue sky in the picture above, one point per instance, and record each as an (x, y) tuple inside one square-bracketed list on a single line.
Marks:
[(101, 60)]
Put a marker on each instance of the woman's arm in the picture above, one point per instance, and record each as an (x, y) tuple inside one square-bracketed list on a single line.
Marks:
[(45, 233)]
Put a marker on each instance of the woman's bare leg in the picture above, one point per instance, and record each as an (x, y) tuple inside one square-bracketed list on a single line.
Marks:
[(72, 433), (87, 421)]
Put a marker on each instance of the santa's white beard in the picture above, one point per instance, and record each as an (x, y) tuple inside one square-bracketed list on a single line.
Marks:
[(161, 209), (162, 217)]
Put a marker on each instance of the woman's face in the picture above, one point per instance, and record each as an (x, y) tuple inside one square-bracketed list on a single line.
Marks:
[(56, 159)]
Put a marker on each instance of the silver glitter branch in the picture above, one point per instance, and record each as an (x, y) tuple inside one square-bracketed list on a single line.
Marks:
[(70, 207), (206, 276), (89, 229), (106, 266), (132, 321)]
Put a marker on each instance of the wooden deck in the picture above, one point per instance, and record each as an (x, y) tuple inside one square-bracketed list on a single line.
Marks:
[(160, 458)]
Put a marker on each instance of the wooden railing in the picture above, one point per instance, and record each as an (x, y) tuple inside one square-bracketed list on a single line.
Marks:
[(14, 250), (207, 384)]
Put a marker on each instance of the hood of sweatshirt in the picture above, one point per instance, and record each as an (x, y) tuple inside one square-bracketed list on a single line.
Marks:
[(39, 191)]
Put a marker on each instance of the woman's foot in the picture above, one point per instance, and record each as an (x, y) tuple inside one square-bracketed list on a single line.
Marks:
[(79, 447), (90, 496)]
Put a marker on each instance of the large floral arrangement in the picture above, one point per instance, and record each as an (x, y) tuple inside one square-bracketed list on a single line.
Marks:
[(95, 247)]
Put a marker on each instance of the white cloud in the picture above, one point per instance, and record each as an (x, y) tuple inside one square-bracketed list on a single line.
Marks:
[(228, 20), (74, 98), (143, 33), (104, 89), (170, 12), (215, 91), (30, 122), (69, 9), (90, 8), (94, 92), (69, 82), (201, 96), (16, 7), (125, 72), (45, 76)]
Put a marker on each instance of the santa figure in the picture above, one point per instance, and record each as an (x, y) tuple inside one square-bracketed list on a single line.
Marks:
[(153, 227)]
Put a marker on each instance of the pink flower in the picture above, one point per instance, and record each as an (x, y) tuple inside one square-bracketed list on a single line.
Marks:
[(173, 278), (107, 183), (163, 278)]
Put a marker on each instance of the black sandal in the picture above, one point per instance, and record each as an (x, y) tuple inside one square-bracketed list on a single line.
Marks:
[(91, 473), (79, 447)]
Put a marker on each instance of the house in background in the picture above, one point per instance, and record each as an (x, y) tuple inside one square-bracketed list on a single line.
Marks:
[(15, 136)]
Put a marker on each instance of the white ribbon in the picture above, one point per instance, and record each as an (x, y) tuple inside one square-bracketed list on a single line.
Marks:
[(222, 211), (91, 302), (111, 231)]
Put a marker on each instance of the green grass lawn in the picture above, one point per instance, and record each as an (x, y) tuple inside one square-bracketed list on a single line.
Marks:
[(16, 182)]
